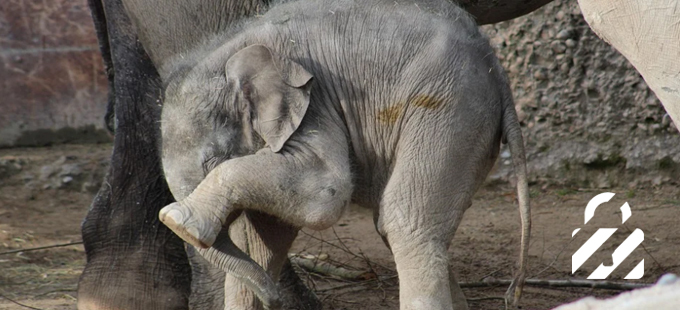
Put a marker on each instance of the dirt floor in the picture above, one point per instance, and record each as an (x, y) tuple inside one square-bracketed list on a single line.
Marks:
[(45, 193)]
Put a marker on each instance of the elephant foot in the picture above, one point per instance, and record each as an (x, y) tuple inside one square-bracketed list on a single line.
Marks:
[(194, 228)]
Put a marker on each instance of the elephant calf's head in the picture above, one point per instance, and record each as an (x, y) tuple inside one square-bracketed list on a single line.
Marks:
[(229, 105)]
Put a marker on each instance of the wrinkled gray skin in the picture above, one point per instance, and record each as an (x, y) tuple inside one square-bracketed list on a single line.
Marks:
[(396, 106), (169, 29)]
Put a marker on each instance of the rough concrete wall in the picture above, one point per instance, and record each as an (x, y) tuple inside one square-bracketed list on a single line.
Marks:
[(53, 88), (587, 116)]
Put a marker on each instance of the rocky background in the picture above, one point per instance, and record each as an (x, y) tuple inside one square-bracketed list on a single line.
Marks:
[(588, 118)]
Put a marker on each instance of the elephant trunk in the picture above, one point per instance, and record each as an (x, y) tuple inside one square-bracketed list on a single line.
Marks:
[(194, 226), (230, 259)]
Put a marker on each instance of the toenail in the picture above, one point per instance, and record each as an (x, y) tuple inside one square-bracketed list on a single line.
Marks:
[(176, 216)]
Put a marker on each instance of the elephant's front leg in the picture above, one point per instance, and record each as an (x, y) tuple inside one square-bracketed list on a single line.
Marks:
[(266, 240), (302, 189)]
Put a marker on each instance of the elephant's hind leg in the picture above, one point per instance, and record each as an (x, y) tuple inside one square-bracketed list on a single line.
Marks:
[(422, 260), (458, 298), (418, 220)]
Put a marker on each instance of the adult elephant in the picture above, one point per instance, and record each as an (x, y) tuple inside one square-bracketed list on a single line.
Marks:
[(125, 243)]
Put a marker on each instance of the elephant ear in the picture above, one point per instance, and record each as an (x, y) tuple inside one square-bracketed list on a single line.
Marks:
[(276, 89)]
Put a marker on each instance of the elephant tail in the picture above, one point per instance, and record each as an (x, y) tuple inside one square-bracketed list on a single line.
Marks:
[(513, 133)]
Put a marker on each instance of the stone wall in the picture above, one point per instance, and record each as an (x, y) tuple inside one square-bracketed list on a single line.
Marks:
[(53, 85), (588, 118)]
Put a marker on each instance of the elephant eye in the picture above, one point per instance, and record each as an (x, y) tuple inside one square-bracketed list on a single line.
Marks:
[(210, 164)]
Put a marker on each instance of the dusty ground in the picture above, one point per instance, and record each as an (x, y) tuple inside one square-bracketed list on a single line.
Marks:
[(45, 193)]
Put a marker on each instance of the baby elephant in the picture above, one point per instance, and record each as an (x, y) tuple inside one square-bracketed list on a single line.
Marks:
[(397, 106)]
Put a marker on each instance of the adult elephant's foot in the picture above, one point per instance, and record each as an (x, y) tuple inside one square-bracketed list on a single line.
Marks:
[(195, 226), (128, 253)]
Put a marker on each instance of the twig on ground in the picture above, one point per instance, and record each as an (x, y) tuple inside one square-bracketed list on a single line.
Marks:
[(663, 206), (344, 246), (352, 287), (339, 287), (486, 298), (323, 241), (309, 279), (491, 282), (18, 303), (41, 248), (505, 301), (57, 291), (488, 274), (355, 284), (325, 268), (347, 250), (341, 248), (368, 262), (645, 249), (554, 259)]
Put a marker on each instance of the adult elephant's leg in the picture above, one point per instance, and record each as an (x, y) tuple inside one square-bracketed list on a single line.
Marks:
[(647, 33), (266, 240), (133, 261), (494, 11)]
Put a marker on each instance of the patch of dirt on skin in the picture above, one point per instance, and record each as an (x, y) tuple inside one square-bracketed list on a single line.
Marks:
[(38, 212)]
